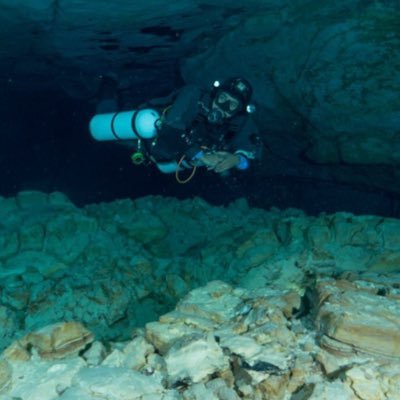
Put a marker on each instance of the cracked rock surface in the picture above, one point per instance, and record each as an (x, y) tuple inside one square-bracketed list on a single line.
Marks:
[(254, 304)]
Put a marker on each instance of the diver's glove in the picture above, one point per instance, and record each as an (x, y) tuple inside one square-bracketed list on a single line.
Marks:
[(243, 163), (220, 161), (227, 161)]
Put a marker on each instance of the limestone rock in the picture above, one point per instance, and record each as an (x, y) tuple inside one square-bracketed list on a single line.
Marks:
[(9, 243), (220, 341), (215, 301), (95, 354), (31, 236), (60, 201), (34, 261), (117, 383), (29, 199), (56, 341), (164, 335), (257, 249), (17, 352), (5, 376), (318, 234), (135, 355), (386, 261), (331, 390), (42, 379), (220, 388), (365, 382), (195, 359), (147, 229), (390, 229), (68, 235), (8, 325), (273, 357), (199, 391), (74, 393), (352, 318)]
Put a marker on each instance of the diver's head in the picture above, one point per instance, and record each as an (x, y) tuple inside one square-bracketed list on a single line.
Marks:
[(223, 106), (230, 98)]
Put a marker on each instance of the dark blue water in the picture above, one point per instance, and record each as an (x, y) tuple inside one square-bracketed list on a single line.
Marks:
[(45, 145)]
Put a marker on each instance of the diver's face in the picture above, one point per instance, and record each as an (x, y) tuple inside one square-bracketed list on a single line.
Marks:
[(227, 104)]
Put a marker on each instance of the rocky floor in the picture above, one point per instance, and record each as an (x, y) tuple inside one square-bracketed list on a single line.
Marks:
[(164, 299)]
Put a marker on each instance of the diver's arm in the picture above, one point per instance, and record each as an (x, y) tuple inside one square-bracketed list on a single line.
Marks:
[(246, 144)]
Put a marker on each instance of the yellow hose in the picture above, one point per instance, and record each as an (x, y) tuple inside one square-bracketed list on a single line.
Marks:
[(179, 180)]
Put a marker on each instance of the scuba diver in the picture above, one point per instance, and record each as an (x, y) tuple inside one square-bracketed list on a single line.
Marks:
[(188, 129)]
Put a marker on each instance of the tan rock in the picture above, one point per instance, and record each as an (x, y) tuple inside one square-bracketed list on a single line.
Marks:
[(274, 387), (391, 380), (329, 362), (304, 367), (16, 352), (365, 382), (228, 377), (163, 335), (192, 320), (350, 318), (292, 301), (5, 376), (53, 341), (336, 347)]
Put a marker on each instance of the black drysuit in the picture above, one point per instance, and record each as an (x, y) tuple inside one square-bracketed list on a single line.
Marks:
[(185, 130)]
